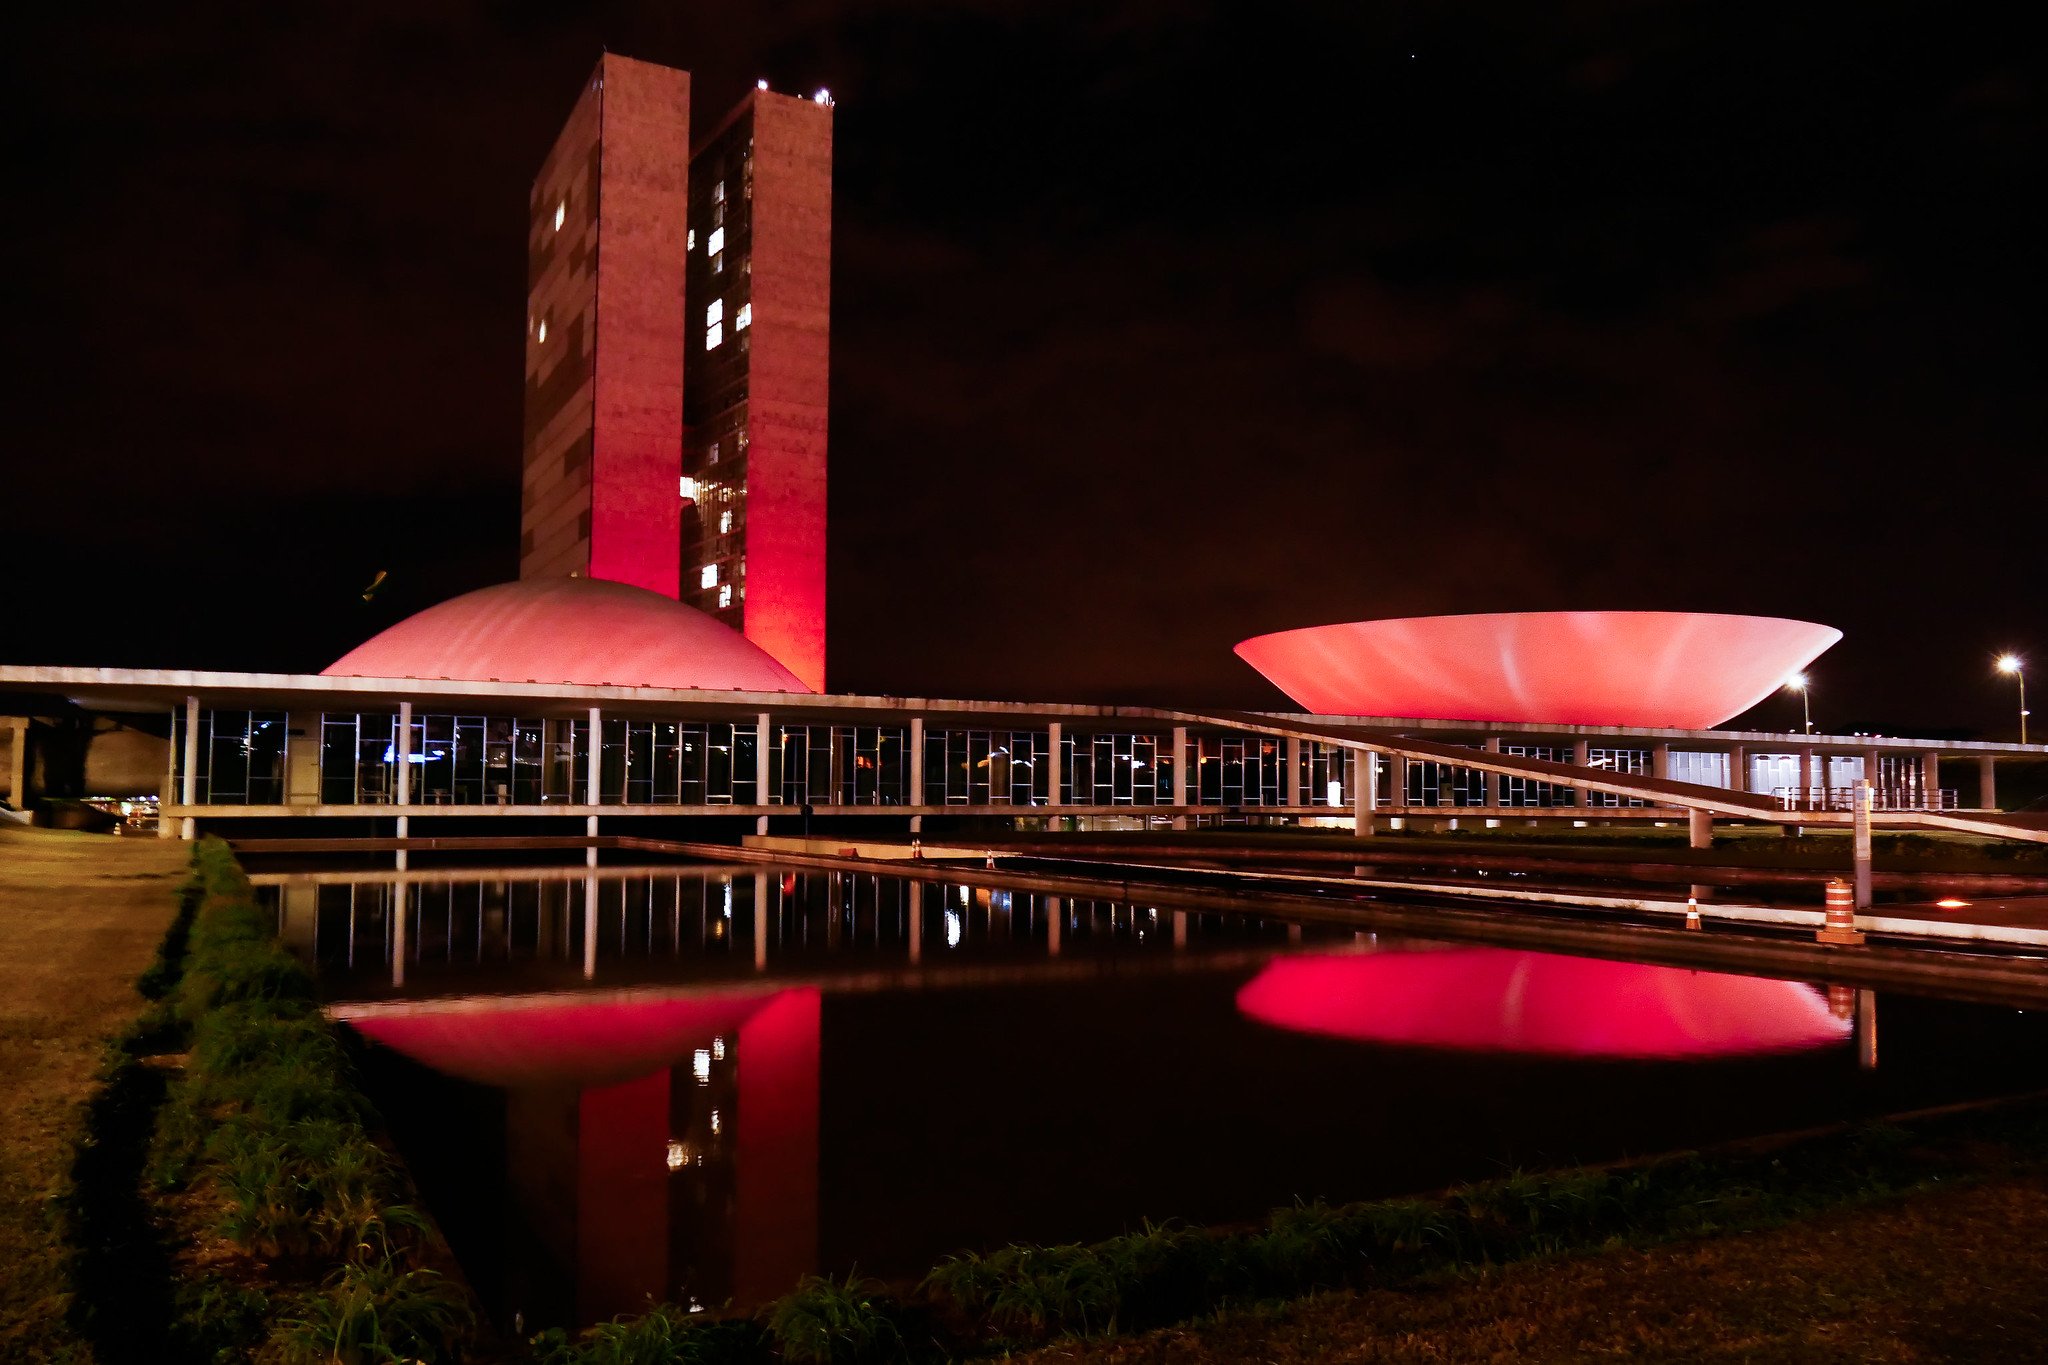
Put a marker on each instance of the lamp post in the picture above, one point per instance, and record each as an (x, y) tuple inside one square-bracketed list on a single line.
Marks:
[(1797, 682), (2012, 663)]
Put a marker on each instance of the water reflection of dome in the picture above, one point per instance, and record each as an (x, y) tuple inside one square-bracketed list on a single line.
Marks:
[(1502, 1000), (580, 631), (1687, 669), (513, 1043)]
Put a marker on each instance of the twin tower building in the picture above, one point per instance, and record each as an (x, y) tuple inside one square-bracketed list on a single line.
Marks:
[(678, 354)]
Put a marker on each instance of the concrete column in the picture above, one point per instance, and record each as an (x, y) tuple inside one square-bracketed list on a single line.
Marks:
[(1700, 825), (1492, 746), (1290, 795), (1180, 765), (916, 921), (589, 925), (917, 767), (404, 777), (593, 784), (763, 736), (1397, 778), (1930, 779), (1660, 760), (188, 791), (1364, 769), (1055, 736), (17, 763), (1872, 762), (1738, 769), (401, 897), (1987, 782), (165, 798), (1861, 800), (1055, 924), (1808, 775), (1866, 1030), (1582, 757), (302, 758)]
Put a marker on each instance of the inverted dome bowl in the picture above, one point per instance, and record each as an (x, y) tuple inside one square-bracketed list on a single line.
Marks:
[(1681, 669), (581, 631)]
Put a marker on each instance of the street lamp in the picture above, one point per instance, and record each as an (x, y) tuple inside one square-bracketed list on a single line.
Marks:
[(1797, 682), (2011, 663)]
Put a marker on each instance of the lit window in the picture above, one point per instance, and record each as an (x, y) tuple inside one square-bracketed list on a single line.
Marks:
[(744, 319), (718, 191), (715, 243), (725, 594), (708, 577), (718, 263), (713, 334), (711, 455), (715, 313), (689, 489), (700, 1065), (725, 523), (543, 335), (561, 214), (691, 244)]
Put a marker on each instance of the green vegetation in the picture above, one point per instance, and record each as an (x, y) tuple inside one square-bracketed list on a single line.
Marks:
[(1016, 1297), (238, 1206)]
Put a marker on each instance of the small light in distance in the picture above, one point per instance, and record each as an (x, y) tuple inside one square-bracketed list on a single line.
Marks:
[(760, 85), (1951, 903)]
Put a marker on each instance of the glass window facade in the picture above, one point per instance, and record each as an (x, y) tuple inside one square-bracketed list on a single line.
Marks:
[(1116, 770), (1518, 790), (1238, 770), (840, 765), (1634, 762), (985, 768), (241, 757)]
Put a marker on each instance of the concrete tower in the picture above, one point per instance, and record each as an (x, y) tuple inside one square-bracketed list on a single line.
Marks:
[(606, 250), (756, 376)]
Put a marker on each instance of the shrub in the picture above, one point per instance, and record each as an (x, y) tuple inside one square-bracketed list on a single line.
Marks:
[(835, 1322)]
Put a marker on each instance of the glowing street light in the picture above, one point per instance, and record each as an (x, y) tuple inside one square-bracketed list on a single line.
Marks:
[(2013, 664), (1797, 682)]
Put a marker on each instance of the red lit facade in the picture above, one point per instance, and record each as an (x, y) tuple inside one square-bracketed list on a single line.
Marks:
[(1682, 669), (757, 377), (604, 333)]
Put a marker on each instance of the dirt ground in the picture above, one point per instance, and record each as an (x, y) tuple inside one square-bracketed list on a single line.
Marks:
[(81, 916), (1951, 1275)]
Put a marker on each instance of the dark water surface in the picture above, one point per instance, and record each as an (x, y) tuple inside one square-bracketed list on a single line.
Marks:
[(698, 1084)]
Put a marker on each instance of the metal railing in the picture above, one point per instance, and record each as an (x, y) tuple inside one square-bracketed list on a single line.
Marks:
[(1882, 798)]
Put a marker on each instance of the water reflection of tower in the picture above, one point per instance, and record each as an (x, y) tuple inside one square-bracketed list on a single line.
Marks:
[(655, 1149)]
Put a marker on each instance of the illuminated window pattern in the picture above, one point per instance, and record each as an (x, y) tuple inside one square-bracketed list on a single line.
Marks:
[(985, 768), (1518, 790), (241, 757), (1237, 770), (1635, 762), (1116, 770), (845, 765)]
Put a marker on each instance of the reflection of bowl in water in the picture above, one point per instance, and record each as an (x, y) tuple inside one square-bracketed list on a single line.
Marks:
[(523, 1042), (1683, 669), (1504, 1000)]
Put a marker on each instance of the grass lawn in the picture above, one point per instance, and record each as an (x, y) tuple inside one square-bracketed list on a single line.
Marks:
[(1958, 1274), (81, 916)]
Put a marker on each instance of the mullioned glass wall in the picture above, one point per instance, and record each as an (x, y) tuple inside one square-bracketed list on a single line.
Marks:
[(475, 760)]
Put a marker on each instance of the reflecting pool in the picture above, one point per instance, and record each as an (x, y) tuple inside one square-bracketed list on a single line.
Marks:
[(697, 1084)]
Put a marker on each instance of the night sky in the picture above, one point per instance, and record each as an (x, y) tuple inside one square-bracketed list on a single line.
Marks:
[(1154, 327)]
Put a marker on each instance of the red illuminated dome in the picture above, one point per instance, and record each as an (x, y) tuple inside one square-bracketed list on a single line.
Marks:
[(581, 631), (1504, 1000), (1682, 669)]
